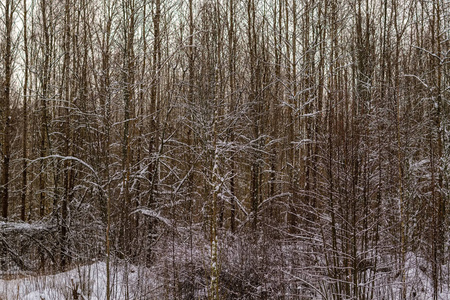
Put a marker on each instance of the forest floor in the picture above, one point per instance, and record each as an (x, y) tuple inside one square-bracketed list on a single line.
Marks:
[(127, 281), (84, 282)]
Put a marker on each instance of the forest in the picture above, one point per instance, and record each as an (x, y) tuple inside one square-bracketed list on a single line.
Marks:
[(227, 149)]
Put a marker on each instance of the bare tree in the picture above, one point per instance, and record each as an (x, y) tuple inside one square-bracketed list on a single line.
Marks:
[(6, 117)]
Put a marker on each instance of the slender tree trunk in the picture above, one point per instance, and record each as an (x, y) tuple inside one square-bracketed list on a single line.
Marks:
[(255, 102), (232, 108), (69, 137), (25, 116), (6, 110), (105, 103), (128, 95), (45, 79)]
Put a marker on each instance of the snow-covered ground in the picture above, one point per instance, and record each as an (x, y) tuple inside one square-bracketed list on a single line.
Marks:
[(85, 282), (418, 280), (140, 283)]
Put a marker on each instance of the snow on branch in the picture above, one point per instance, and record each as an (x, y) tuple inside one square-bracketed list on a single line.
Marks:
[(11, 227), (153, 214)]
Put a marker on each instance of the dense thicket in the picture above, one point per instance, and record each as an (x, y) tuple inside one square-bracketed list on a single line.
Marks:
[(303, 144)]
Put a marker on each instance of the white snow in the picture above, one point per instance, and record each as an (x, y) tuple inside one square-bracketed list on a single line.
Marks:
[(417, 280), (88, 282)]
